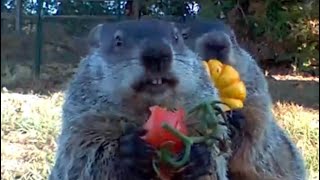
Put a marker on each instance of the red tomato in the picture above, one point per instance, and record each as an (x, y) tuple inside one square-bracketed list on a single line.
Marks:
[(165, 172), (157, 135)]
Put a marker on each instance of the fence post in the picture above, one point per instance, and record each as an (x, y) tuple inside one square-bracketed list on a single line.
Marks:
[(18, 16), (119, 10), (38, 52), (136, 9)]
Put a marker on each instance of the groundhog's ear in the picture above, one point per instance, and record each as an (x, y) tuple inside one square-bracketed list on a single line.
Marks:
[(94, 37)]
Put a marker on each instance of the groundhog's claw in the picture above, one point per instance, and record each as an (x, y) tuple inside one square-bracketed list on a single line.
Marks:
[(199, 164), (136, 154), (236, 118)]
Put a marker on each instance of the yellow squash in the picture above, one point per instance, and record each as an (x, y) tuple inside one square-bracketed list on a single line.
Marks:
[(227, 80)]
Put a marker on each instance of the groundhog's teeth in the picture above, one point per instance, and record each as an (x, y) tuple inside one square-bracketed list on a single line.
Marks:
[(156, 81)]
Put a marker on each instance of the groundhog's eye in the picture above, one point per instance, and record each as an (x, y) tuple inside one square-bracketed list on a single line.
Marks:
[(184, 35), (176, 37)]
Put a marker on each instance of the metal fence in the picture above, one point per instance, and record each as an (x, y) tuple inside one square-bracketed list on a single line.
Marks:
[(37, 35)]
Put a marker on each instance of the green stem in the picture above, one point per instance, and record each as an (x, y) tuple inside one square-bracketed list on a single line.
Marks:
[(211, 120), (218, 102), (220, 111), (183, 161), (188, 141), (156, 168), (167, 157), (175, 132), (210, 111)]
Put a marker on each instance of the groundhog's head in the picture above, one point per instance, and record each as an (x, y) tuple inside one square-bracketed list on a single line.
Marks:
[(215, 40), (139, 63)]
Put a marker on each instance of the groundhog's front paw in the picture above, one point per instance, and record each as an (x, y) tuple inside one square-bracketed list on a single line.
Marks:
[(236, 119), (199, 164), (136, 154)]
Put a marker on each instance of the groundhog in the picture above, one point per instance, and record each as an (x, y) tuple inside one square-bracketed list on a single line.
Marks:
[(263, 151), (131, 66)]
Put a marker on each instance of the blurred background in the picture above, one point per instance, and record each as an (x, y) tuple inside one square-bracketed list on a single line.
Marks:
[(42, 42)]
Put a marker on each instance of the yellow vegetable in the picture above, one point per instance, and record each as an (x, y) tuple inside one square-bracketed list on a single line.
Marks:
[(236, 90), (227, 77), (232, 103), (215, 68), (227, 80)]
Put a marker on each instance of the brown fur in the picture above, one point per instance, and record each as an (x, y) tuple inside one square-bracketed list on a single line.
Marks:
[(263, 151), (101, 96)]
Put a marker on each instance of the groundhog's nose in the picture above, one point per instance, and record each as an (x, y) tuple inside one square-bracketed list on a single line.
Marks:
[(156, 57), (214, 45)]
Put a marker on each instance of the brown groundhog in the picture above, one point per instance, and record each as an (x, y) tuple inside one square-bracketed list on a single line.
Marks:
[(263, 151), (131, 66)]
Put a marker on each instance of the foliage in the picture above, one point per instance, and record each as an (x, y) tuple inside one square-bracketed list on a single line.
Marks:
[(289, 29), (293, 25)]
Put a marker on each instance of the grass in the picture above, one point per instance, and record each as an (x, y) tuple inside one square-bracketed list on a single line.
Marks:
[(30, 124)]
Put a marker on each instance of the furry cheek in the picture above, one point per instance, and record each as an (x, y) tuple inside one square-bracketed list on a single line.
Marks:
[(186, 77)]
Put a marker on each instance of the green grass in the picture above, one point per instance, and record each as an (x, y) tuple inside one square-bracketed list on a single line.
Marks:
[(30, 124), (29, 127)]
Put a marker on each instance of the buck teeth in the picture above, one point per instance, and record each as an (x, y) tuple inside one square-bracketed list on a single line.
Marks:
[(156, 81)]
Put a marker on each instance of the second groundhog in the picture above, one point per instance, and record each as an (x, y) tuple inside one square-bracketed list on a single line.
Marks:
[(131, 66), (263, 151)]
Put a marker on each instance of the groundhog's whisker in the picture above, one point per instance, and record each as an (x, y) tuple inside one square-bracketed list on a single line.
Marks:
[(184, 61)]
